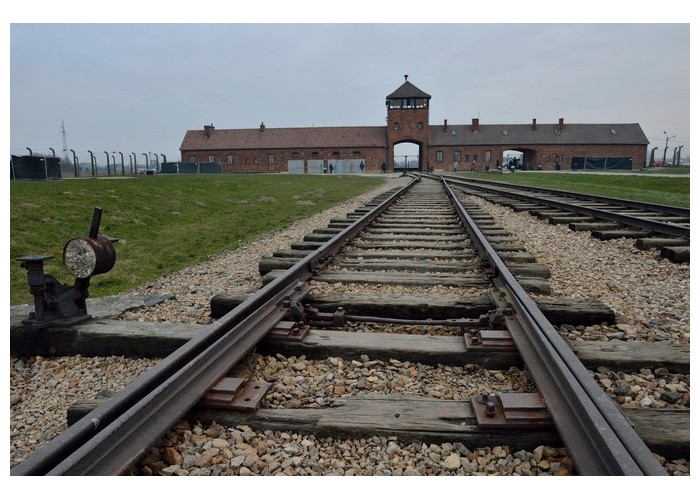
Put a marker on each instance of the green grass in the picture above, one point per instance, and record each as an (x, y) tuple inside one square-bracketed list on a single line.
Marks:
[(164, 223), (673, 191)]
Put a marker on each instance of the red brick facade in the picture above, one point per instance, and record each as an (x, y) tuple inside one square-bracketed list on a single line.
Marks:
[(441, 147)]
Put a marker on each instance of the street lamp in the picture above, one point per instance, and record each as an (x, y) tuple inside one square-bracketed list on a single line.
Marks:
[(108, 171), (663, 163)]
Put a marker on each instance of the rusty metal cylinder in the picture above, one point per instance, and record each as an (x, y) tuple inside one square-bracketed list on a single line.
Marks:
[(85, 257)]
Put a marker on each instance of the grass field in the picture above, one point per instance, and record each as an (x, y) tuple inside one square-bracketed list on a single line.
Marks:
[(672, 190), (163, 223), (167, 223)]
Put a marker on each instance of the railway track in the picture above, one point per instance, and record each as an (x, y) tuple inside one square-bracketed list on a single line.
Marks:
[(398, 247), (653, 226)]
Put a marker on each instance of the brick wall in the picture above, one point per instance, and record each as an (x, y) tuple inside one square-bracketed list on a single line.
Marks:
[(258, 160), (535, 155)]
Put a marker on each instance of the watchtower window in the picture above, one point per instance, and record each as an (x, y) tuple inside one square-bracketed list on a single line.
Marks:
[(396, 125), (419, 125)]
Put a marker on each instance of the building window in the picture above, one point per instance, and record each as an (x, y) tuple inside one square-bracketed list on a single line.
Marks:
[(271, 159), (247, 161), (193, 158), (229, 159), (475, 157), (211, 159), (356, 154), (419, 126), (458, 155), (439, 156), (396, 125), (295, 154), (314, 154)]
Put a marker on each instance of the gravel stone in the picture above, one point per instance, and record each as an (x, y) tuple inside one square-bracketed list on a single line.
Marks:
[(648, 295)]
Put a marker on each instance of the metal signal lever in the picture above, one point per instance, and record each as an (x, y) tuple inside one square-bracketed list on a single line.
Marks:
[(57, 304)]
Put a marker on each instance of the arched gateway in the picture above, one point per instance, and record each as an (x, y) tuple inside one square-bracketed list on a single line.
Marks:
[(364, 149)]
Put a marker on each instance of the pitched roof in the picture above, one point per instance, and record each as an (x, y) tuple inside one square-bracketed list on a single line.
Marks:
[(456, 135), (572, 133), (407, 89), (276, 138)]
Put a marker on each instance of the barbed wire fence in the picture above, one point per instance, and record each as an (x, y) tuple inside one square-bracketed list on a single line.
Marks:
[(93, 163)]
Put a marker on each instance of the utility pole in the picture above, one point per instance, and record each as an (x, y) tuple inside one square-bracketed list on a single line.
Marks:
[(64, 142)]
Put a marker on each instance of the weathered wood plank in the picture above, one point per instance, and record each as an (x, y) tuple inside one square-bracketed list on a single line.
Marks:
[(666, 432), (406, 279), (408, 236), (594, 226), (676, 254), (421, 230), (560, 311), (158, 340), (557, 310), (649, 243), (622, 233), (405, 265), (442, 246)]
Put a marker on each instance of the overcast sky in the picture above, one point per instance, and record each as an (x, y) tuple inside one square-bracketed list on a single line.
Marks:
[(139, 87)]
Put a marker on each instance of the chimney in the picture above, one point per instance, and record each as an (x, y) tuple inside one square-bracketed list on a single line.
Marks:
[(262, 127), (475, 124), (534, 124), (208, 130), (444, 126), (561, 124)]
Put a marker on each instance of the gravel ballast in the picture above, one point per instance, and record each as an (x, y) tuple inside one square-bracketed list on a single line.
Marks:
[(650, 298)]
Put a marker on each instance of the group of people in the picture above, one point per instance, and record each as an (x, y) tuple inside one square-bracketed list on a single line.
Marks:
[(330, 168)]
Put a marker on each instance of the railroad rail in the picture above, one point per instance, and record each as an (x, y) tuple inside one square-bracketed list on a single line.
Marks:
[(113, 436), (657, 225)]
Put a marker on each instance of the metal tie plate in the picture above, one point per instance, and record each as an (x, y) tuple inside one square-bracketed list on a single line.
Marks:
[(490, 340), (511, 410), (235, 394)]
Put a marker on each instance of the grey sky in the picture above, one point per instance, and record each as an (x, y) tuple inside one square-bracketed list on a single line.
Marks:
[(140, 87)]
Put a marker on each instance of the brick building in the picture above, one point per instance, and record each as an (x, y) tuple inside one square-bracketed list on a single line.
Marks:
[(547, 146)]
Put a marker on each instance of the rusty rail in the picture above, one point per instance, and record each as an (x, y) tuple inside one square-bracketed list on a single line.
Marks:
[(112, 437), (596, 433), (516, 191)]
